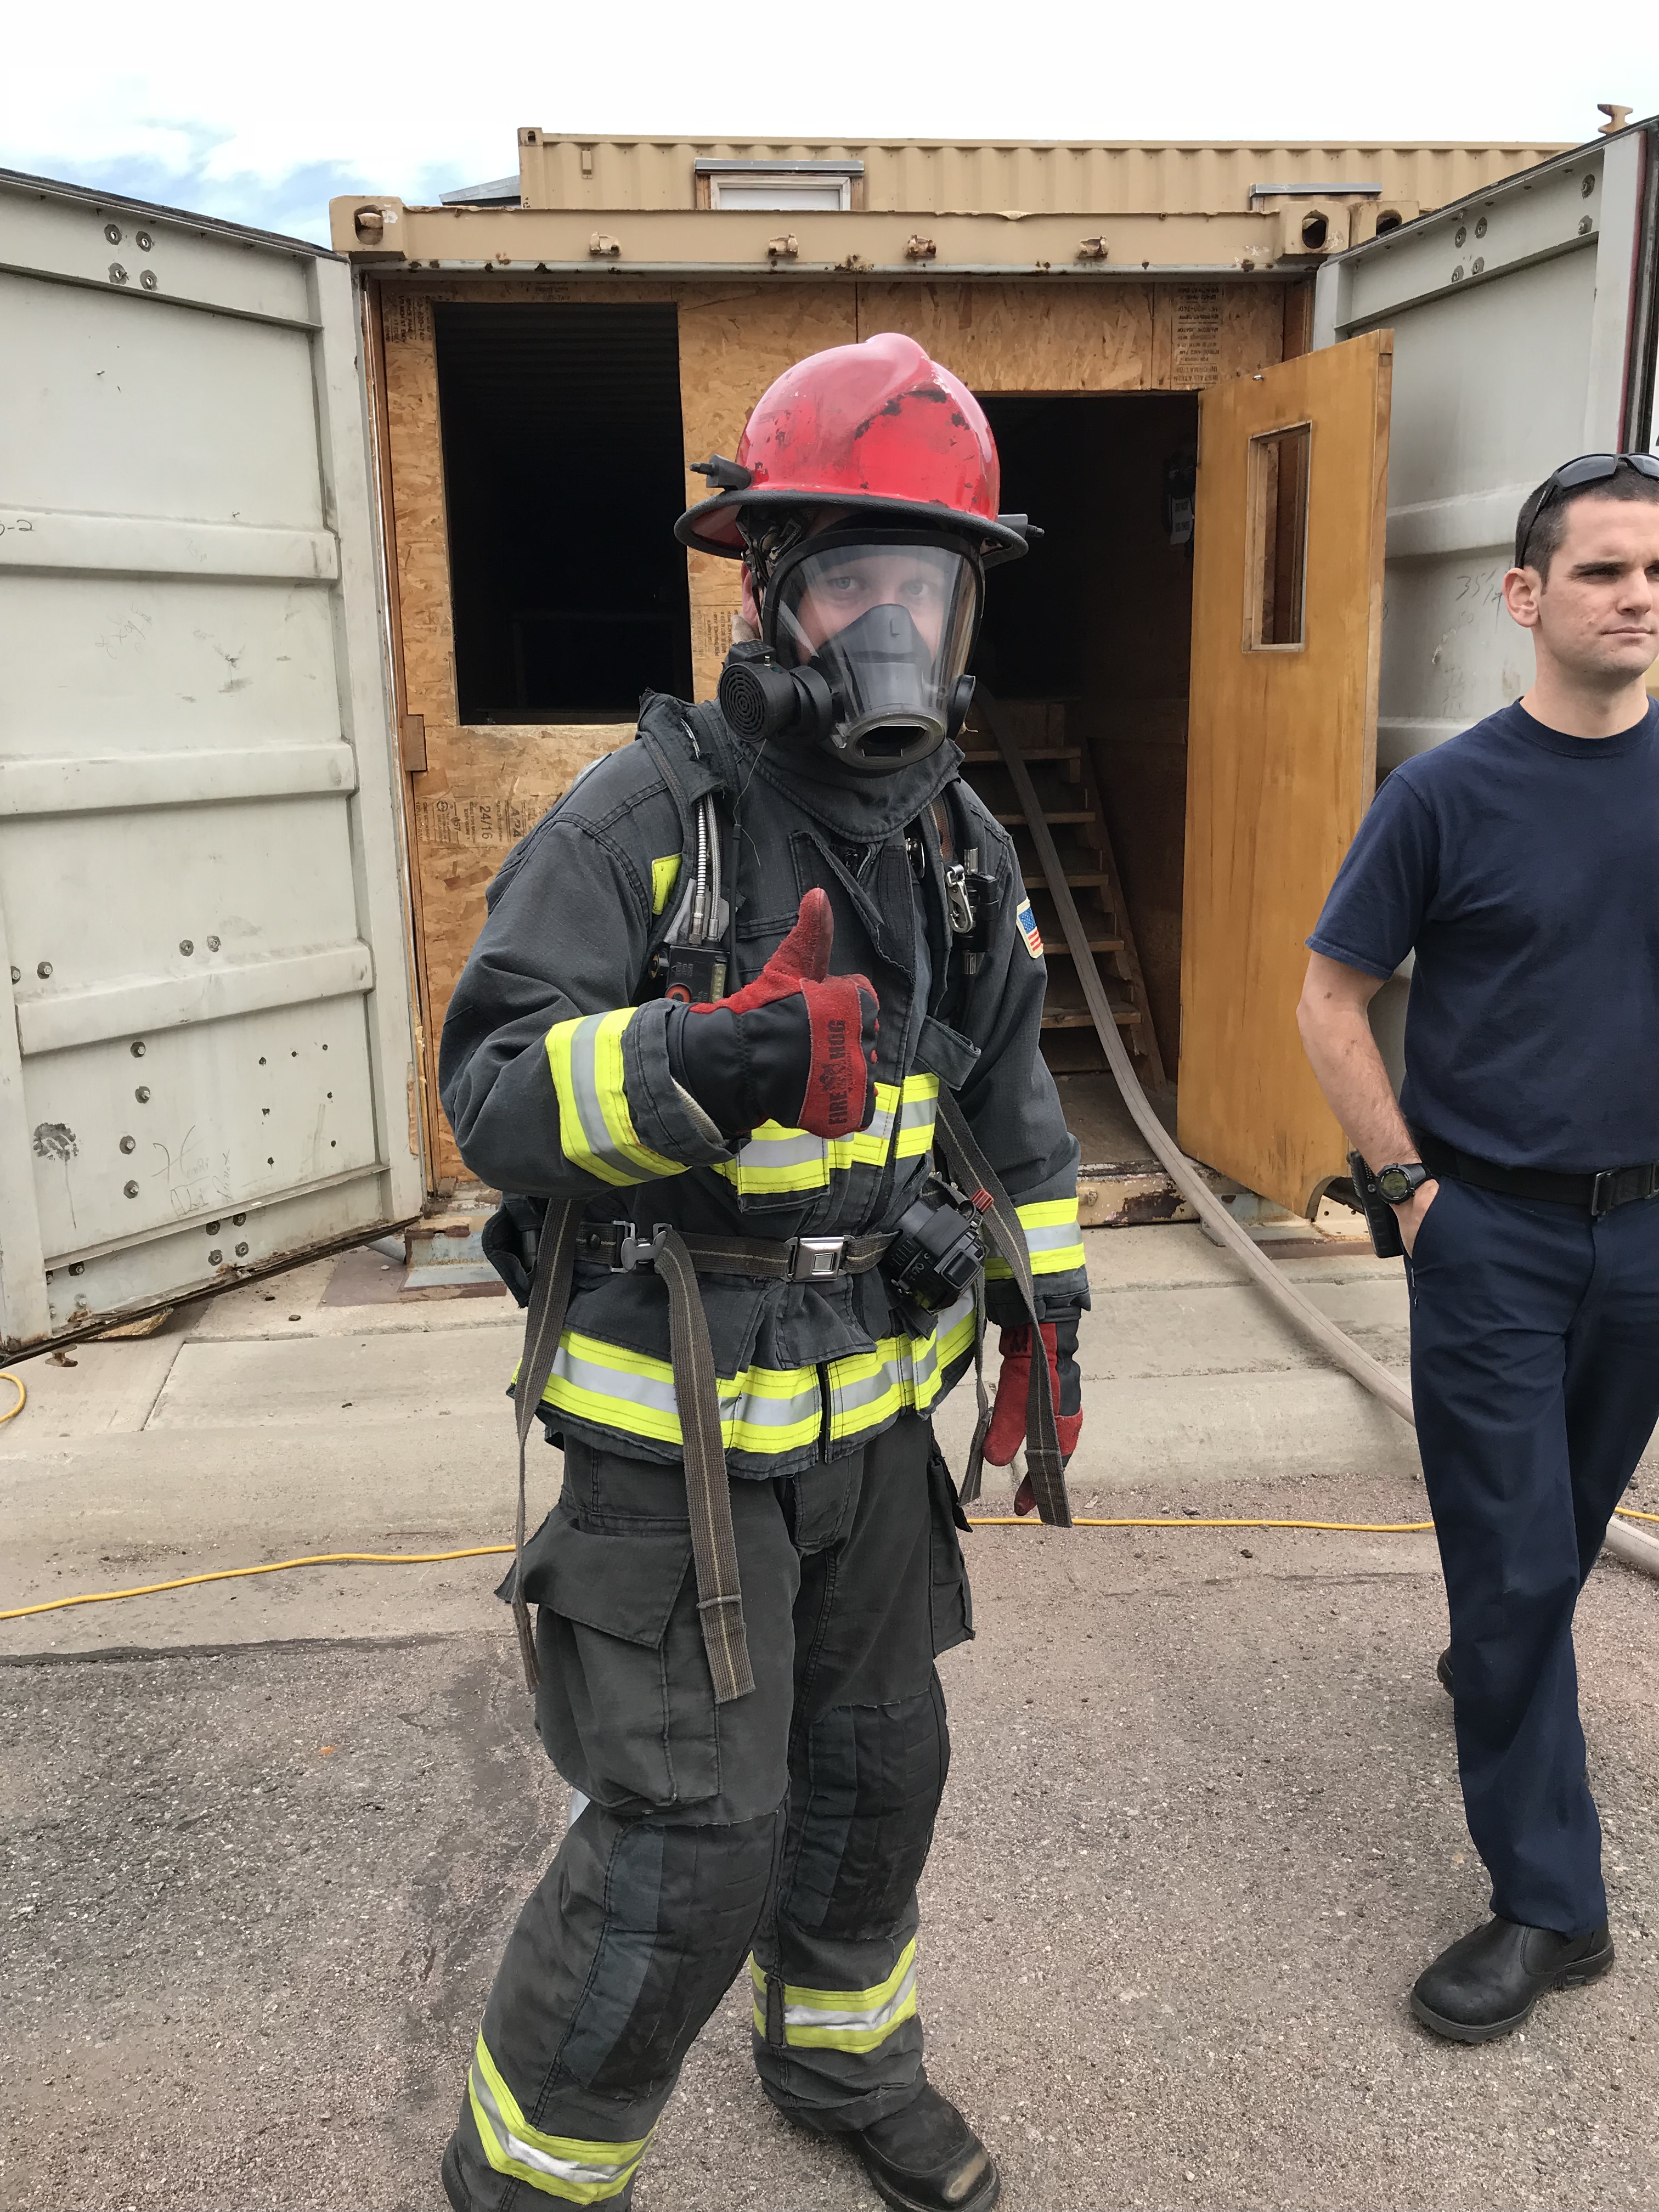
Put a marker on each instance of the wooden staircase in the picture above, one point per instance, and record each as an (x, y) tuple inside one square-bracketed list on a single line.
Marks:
[(1064, 779)]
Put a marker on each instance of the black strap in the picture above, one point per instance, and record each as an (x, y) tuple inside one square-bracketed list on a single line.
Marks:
[(768, 1259), (1043, 1460), (549, 1299), (1597, 1194), (708, 1489)]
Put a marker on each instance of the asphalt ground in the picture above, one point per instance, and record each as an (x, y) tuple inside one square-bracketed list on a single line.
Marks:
[(260, 1843)]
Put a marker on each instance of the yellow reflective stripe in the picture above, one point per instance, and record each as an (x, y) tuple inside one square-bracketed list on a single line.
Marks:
[(773, 1159), (665, 874), (843, 2019), (765, 1411), (595, 1126), (954, 1331), (1053, 1238), (918, 1110), (868, 1147), (567, 2166)]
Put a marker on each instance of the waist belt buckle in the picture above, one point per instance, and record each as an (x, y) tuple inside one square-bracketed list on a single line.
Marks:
[(817, 1259), (635, 1254), (1602, 1198)]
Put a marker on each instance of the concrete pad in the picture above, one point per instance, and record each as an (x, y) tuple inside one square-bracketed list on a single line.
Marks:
[(308, 1380), (1205, 1432), (1174, 1255), (102, 1389), (292, 1304)]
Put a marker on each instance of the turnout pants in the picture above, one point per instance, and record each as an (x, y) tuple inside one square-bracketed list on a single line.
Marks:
[(780, 1835), (1535, 1374)]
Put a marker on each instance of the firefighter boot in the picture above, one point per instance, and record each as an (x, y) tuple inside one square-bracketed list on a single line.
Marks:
[(926, 2158)]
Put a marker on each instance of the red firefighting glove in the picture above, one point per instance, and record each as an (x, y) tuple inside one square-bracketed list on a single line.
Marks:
[(798, 1045), (1007, 1431)]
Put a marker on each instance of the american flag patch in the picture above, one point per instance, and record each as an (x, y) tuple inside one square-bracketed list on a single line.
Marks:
[(1028, 930)]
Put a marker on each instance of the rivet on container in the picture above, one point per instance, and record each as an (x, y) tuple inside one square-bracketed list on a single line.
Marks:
[(132, 1190), (129, 1144), (137, 1049)]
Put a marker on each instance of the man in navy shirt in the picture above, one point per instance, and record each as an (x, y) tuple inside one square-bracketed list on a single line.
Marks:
[(1519, 862)]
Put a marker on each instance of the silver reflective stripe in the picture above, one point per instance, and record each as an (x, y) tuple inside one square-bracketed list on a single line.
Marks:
[(797, 1150), (916, 1114), (579, 2179), (754, 1411), (583, 1042), (867, 1389), (876, 2016), (614, 1382), (1056, 1237)]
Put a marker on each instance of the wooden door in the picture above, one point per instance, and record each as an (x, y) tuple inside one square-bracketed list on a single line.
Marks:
[(1287, 618)]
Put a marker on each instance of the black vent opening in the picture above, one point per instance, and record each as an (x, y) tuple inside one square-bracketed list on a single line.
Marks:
[(563, 475)]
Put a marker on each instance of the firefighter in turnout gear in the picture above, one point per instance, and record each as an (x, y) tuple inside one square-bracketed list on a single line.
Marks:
[(750, 1040)]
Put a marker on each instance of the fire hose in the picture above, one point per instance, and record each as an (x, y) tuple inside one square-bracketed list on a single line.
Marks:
[(1625, 1543)]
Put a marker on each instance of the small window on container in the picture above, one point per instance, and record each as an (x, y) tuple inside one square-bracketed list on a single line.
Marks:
[(1276, 573), (784, 192)]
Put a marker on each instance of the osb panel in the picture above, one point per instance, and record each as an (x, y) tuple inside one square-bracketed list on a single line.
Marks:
[(734, 340), (1029, 336), (1204, 334), (482, 790), (419, 527)]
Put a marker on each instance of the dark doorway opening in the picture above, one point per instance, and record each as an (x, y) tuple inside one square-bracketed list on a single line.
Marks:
[(565, 475), (1088, 642)]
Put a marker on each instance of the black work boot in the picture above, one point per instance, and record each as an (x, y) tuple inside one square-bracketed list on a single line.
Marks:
[(1488, 1981), (1443, 1670), (928, 2159)]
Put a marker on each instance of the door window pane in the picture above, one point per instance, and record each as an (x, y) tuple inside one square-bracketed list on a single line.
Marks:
[(1276, 576)]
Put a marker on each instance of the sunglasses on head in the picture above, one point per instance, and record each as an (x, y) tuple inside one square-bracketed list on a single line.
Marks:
[(1572, 476)]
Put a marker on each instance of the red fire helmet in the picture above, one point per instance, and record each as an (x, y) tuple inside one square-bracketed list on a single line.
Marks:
[(877, 429)]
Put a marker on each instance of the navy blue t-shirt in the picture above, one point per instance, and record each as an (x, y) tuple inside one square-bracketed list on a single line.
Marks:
[(1523, 866)]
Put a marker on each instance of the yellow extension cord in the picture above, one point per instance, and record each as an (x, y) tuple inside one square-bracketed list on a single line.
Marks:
[(489, 1550)]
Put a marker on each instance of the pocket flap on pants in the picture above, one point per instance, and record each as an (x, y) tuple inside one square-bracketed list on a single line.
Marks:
[(623, 1586)]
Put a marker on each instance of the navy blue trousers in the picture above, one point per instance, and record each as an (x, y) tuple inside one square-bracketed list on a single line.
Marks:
[(1535, 1374)]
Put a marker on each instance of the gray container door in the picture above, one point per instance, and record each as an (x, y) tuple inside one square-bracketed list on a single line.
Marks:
[(207, 1055), (1524, 324)]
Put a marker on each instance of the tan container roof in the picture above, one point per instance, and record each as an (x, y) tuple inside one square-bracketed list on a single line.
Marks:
[(1000, 176)]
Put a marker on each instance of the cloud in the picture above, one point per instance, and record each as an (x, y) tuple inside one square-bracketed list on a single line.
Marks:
[(241, 112)]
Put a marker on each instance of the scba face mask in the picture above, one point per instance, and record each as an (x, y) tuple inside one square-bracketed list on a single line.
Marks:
[(864, 641)]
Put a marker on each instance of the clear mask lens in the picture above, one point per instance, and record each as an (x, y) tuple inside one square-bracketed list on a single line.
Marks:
[(889, 628)]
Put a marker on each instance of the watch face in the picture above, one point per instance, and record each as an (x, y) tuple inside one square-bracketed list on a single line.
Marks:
[(1395, 1185)]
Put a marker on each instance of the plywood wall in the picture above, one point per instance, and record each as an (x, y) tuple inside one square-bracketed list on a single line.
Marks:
[(734, 340), (480, 788)]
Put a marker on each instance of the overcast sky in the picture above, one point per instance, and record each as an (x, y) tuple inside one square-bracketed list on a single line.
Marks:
[(260, 113)]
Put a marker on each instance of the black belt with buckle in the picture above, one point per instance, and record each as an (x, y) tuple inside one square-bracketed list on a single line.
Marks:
[(1597, 1194), (627, 1250)]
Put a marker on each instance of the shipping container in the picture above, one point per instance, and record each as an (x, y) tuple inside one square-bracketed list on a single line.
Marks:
[(322, 573)]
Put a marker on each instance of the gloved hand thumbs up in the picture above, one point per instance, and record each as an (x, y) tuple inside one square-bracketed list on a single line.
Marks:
[(798, 1045)]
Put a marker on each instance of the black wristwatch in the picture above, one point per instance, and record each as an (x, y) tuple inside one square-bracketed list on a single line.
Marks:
[(1401, 1180)]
